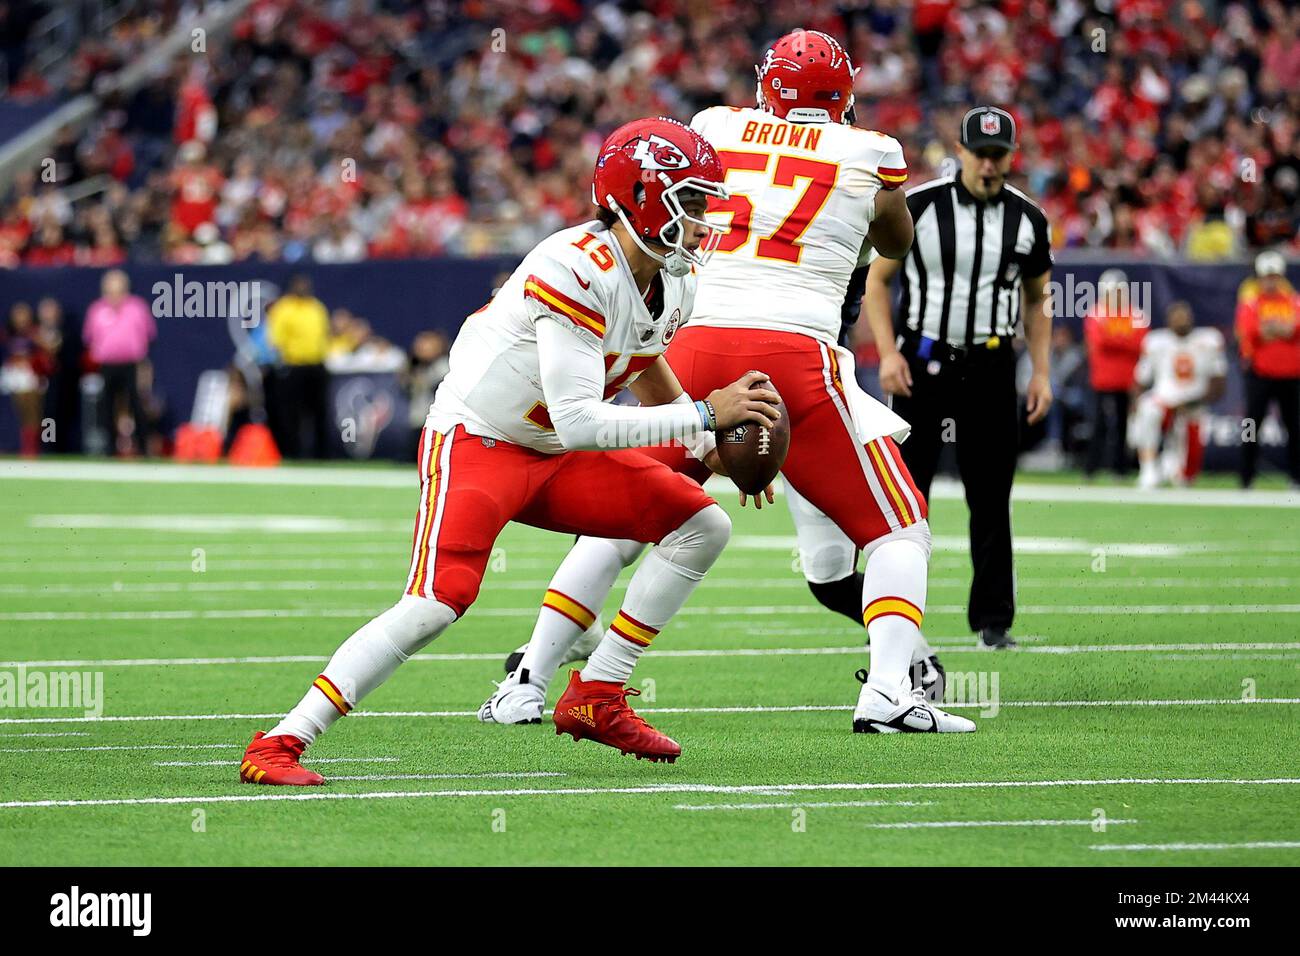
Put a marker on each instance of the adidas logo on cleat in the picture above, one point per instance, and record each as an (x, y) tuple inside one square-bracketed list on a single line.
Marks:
[(583, 713)]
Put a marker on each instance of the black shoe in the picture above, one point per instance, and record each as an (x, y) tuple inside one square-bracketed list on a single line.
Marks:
[(928, 676), (996, 639)]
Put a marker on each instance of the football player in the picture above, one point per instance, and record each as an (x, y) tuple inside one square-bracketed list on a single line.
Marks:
[(808, 192), (522, 429), (1183, 369)]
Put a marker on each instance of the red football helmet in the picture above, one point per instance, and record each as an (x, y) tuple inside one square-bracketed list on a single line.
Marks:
[(641, 173), (806, 77)]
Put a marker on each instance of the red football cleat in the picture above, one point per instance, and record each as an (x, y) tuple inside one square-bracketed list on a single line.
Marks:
[(274, 761), (598, 710)]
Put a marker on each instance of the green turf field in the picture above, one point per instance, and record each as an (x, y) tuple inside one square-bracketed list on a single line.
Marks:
[(1154, 704)]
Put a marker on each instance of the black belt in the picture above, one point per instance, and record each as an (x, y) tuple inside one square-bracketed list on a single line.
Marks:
[(937, 355)]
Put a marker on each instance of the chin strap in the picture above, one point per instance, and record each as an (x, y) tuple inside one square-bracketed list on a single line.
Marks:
[(674, 264)]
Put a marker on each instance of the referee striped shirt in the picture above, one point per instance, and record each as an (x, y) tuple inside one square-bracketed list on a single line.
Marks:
[(961, 281)]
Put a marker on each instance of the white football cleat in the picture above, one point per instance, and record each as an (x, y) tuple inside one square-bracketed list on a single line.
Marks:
[(1148, 477), (909, 713), (514, 703)]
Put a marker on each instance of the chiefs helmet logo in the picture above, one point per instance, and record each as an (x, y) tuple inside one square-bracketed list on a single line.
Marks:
[(655, 152), (990, 124)]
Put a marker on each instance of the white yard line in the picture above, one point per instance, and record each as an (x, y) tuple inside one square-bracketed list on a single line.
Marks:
[(966, 647), (280, 795), (313, 762), (187, 614), (113, 589), (961, 824), (1252, 845), (452, 776), (404, 478), (60, 733), (71, 750), (803, 805), (778, 709), (216, 523)]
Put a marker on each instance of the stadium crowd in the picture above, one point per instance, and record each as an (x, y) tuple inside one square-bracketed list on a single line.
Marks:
[(336, 131)]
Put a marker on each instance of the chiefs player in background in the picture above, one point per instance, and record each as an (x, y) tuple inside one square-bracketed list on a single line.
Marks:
[(588, 312), (807, 190), (1183, 369), (1113, 330), (1268, 333)]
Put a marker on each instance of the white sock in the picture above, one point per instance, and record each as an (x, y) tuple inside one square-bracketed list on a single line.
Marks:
[(893, 600), (661, 585), (363, 662), (571, 606)]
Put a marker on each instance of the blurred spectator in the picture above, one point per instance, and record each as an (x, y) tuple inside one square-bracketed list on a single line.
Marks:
[(405, 129), (1268, 334), (299, 329), (426, 368), (62, 395), (117, 333), (1113, 330), (23, 375), (345, 333)]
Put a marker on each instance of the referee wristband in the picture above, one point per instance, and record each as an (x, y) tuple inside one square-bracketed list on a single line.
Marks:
[(708, 417)]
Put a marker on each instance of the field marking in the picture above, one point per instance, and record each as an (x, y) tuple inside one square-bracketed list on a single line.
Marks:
[(1023, 545), (947, 648), (58, 733), (780, 788), (216, 523), (125, 589), (102, 747), (961, 824), (190, 614), (187, 567), (404, 477), (749, 709), (453, 776), (815, 805), (231, 763), (1252, 845)]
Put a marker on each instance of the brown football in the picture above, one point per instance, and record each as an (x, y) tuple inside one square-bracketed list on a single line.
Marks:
[(752, 454)]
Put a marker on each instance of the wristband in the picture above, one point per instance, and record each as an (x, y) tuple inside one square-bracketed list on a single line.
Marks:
[(708, 417)]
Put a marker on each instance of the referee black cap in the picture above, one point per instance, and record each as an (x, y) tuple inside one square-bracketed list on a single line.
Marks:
[(988, 126)]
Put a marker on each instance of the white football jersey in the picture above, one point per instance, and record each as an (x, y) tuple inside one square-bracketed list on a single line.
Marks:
[(802, 198), (580, 277), (1179, 368)]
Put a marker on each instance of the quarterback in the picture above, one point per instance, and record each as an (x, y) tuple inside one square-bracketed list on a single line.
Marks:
[(807, 193), (522, 429)]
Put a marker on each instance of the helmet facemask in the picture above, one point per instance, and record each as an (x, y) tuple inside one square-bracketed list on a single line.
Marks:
[(679, 260)]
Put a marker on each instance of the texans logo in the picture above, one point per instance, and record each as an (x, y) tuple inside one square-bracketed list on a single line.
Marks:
[(654, 152)]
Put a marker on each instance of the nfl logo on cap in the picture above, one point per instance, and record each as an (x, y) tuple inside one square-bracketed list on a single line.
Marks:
[(990, 124)]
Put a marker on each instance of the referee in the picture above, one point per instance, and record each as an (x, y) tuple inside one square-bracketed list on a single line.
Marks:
[(978, 266)]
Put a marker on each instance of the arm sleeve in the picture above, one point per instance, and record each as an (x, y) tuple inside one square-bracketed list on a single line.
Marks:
[(1039, 259), (1142, 374), (1246, 326), (885, 158), (1219, 361), (573, 382)]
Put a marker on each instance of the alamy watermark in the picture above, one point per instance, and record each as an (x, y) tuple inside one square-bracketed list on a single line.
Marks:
[(1076, 300), (67, 690), (192, 299)]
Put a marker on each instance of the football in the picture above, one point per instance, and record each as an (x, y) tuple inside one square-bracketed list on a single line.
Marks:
[(753, 455)]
